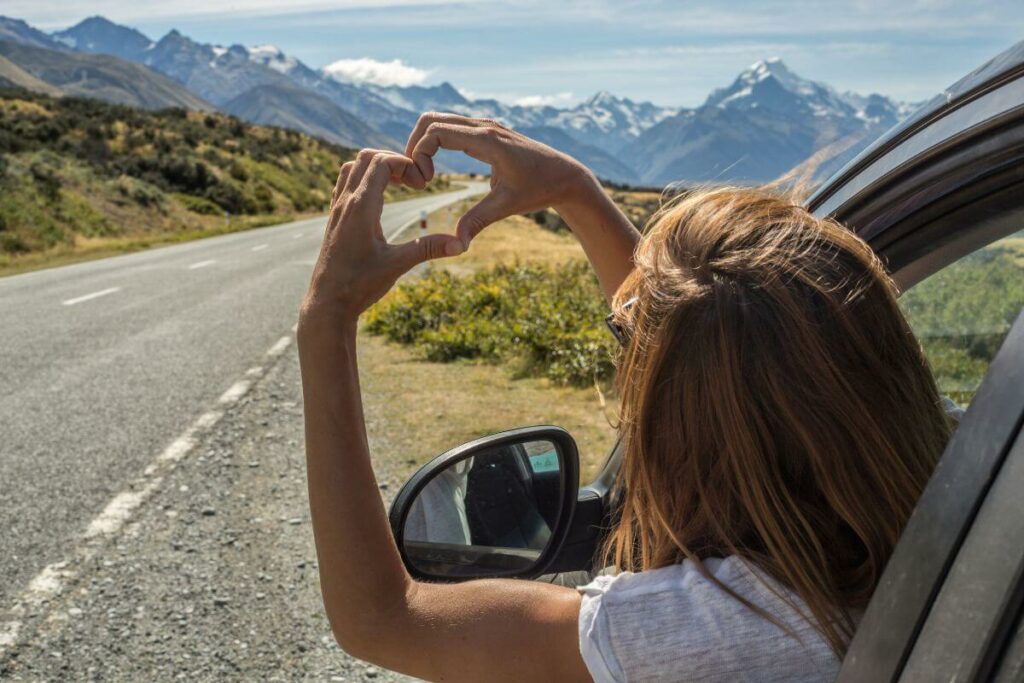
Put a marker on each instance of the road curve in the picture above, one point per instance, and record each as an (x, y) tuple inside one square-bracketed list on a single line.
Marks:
[(104, 363)]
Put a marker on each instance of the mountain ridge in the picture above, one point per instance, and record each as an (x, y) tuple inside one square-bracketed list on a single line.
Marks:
[(767, 121)]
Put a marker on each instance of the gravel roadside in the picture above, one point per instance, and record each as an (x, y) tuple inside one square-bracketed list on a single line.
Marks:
[(215, 577)]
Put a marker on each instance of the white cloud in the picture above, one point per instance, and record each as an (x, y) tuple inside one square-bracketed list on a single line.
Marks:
[(555, 100), (367, 70)]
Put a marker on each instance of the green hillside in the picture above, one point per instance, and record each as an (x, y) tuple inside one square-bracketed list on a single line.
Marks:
[(81, 178)]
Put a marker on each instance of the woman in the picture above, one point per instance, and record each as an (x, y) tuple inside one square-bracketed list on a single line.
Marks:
[(779, 417)]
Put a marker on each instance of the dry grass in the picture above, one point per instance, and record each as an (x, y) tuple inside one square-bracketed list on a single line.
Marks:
[(515, 238), (432, 407)]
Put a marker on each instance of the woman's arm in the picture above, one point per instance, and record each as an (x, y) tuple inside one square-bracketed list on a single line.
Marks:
[(528, 176), (482, 630)]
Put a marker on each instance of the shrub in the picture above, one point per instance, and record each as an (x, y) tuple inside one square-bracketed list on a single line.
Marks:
[(549, 220), (548, 321), (198, 204), (139, 192), (46, 180)]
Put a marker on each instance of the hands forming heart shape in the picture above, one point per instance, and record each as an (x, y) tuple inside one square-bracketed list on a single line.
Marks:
[(357, 265)]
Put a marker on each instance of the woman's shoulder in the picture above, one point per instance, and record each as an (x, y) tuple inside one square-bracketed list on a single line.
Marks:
[(686, 577), (677, 622)]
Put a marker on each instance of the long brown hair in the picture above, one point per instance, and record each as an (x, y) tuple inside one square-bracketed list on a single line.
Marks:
[(775, 404)]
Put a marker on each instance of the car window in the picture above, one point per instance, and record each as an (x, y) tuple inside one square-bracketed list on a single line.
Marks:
[(963, 313)]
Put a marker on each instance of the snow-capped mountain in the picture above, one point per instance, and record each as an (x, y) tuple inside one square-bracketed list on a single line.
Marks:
[(764, 123), (271, 57), (610, 122), (603, 118), (769, 83), (768, 121)]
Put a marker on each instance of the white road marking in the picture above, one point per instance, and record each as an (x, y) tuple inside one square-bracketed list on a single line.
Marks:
[(89, 297), (9, 634), (202, 264), (279, 347), (296, 235), (260, 247), (180, 447), (208, 419), (38, 600), (118, 511), (235, 392)]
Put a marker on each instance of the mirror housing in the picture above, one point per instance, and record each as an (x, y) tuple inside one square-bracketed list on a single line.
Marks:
[(497, 465)]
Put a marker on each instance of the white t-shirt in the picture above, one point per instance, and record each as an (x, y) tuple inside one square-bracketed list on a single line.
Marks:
[(673, 624)]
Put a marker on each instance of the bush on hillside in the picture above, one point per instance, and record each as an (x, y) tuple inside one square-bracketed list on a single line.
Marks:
[(546, 321)]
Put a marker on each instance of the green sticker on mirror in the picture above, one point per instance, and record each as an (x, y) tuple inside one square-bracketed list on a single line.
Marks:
[(542, 463)]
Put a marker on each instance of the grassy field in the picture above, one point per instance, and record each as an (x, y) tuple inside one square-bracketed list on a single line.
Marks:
[(963, 313), (83, 179), (435, 406)]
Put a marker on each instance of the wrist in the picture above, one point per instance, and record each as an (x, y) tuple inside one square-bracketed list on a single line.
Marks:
[(323, 321), (581, 192)]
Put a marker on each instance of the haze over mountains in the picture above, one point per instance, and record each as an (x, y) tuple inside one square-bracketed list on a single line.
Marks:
[(768, 121)]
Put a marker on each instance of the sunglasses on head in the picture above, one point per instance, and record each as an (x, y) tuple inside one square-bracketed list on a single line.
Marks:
[(618, 331)]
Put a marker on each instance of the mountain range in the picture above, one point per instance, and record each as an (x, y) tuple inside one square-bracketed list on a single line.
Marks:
[(764, 124)]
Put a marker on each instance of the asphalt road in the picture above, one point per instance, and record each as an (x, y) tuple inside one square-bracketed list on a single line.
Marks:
[(102, 364)]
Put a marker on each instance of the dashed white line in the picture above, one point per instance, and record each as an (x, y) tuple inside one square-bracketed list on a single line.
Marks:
[(202, 264), (296, 235), (120, 509), (260, 247), (54, 578), (279, 347), (89, 297), (235, 392)]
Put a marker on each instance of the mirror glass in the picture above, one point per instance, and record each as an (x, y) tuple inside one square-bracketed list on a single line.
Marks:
[(490, 513)]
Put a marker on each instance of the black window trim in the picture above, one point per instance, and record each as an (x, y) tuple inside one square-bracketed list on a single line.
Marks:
[(975, 611), (940, 522)]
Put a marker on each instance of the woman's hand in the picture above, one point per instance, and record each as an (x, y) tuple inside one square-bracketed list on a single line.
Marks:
[(525, 174), (357, 266)]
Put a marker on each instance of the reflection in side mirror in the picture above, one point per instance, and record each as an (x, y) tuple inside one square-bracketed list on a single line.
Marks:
[(498, 506)]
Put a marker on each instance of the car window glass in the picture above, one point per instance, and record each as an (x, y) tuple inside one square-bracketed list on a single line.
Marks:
[(963, 313)]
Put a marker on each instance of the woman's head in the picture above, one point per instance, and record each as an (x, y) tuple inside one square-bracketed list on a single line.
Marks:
[(775, 404)]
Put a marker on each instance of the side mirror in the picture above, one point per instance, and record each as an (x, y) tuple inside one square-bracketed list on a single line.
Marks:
[(498, 506)]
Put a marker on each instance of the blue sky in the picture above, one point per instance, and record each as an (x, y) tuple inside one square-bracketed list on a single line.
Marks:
[(668, 52)]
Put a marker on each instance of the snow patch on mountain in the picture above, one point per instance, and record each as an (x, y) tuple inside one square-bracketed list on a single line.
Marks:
[(271, 56)]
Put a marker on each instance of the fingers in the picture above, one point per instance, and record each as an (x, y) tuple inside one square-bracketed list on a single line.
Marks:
[(407, 173), (428, 122), (478, 142), (424, 121), (410, 254), (359, 166), (488, 210), (343, 173), (382, 168)]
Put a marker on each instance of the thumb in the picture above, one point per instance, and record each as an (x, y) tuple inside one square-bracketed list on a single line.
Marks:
[(426, 248), (486, 211)]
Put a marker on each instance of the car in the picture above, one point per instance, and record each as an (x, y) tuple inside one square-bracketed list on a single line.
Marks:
[(940, 198)]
